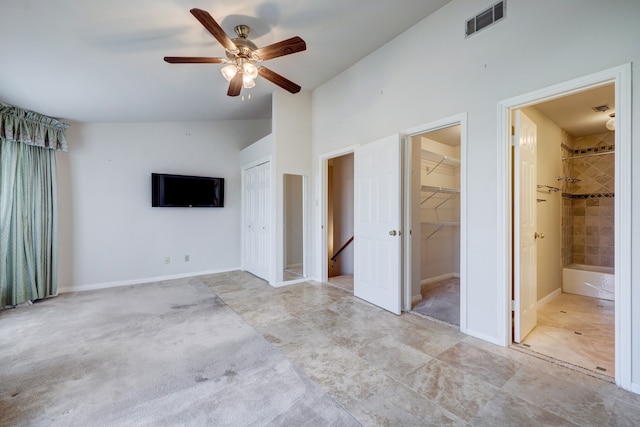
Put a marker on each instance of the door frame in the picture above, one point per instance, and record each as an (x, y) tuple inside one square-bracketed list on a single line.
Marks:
[(323, 159), (458, 119), (621, 77)]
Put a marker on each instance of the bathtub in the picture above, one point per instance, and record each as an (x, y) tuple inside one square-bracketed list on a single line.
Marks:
[(589, 280)]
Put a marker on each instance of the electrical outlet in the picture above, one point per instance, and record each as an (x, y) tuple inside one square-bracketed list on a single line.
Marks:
[(186, 258), (167, 260)]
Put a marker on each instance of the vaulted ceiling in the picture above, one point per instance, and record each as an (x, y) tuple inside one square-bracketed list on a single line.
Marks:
[(103, 60)]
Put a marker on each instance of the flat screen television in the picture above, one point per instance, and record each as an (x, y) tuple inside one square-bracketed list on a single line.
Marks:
[(184, 191)]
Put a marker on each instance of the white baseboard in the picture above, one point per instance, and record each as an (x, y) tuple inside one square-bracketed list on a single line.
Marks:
[(484, 337), (438, 278), (288, 282), (291, 266), (105, 285), (635, 388), (544, 301)]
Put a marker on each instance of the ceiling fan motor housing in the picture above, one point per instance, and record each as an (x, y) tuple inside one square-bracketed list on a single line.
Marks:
[(245, 47)]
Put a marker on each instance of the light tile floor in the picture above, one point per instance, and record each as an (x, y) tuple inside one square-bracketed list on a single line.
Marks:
[(576, 329), (345, 282), (407, 370)]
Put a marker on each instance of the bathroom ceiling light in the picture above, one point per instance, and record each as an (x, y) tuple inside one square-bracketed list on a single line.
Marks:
[(611, 123)]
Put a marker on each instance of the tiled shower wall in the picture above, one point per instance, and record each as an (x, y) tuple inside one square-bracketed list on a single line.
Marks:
[(588, 200)]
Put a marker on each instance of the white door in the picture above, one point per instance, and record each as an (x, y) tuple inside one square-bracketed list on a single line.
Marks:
[(377, 237), (525, 257), (256, 215)]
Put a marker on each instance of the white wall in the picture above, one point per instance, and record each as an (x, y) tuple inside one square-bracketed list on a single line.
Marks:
[(110, 234), (291, 124), (537, 45)]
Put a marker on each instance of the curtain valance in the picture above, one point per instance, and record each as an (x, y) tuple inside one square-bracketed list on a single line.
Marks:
[(28, 127)]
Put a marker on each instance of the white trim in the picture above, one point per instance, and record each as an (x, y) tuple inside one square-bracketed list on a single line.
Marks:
[(635, 387), (621, 76), (288, 282), (105, 285), (458, 119), (484, 337), (289, 267), (323, 256), (439, 278), (415, 299), (546, 300)]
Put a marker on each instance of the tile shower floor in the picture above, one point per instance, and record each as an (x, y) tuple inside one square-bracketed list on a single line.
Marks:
[(407, 370), (576, 329)]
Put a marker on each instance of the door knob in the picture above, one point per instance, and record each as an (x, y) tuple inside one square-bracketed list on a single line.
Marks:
[(392, 233), (537, 235)]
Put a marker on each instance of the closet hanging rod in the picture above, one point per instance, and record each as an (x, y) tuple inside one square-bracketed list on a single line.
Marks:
[(589, 155)]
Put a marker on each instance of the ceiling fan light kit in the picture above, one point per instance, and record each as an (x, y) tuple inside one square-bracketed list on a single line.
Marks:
[(243, 56)]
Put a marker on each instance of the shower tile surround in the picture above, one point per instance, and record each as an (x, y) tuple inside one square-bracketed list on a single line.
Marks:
[(588, 201)]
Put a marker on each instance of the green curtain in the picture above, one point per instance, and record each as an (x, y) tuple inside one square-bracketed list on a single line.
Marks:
[(28, 204)]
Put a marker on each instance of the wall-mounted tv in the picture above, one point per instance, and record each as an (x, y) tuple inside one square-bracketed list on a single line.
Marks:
[(184, 191)]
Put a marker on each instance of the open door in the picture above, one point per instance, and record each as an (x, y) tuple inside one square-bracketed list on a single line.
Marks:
[(377, 239), (524, 221)]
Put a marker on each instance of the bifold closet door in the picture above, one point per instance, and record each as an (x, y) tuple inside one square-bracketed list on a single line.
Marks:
[(256, 220)]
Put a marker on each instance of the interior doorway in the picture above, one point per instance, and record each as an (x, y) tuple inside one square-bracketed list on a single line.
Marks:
[(435, 185), (565, 246), (340, 215), (510, 260)]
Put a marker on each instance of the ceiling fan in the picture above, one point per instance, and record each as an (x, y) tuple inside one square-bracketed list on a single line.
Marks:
[(243, 56)]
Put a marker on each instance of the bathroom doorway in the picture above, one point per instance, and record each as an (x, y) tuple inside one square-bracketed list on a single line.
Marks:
[(566, 267), (509, 259)]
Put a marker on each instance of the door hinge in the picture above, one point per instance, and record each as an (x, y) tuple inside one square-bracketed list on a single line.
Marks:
[(513, 305), (513, 130)]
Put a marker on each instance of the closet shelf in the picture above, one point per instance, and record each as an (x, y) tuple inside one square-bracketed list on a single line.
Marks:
[(439, 226), (438, 159), (449, 193), (430, 189)]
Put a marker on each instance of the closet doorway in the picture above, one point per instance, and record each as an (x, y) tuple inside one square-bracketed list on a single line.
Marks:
[(436, 219)]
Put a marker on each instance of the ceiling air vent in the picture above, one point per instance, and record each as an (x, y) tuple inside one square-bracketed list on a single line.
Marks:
[(486, 18)]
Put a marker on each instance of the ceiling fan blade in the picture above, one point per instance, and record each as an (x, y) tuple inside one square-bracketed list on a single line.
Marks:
[(277, 79), (193, 60), (285, 47), (212, 26), (235, 85)]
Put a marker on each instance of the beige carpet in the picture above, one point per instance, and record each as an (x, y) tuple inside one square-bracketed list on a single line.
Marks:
[(441, 301), (169, 353)]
